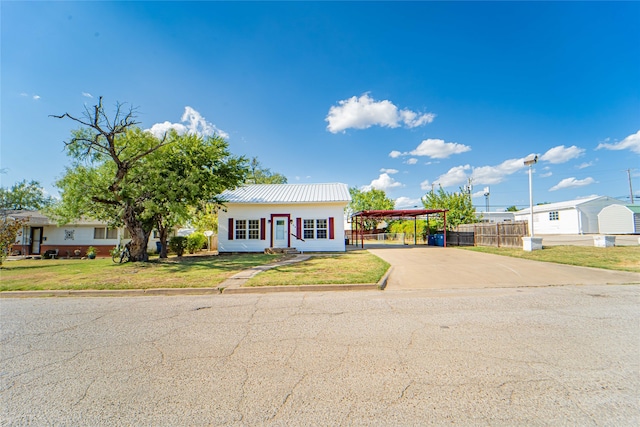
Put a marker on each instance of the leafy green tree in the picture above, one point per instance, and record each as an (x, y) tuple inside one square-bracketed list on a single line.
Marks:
[(190, 172), (261, 175), (512, 208), (125, 176), (461, 210), (366, 201), (24, 195)]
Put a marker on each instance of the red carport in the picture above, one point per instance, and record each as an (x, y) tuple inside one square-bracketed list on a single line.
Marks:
[(398, 214)]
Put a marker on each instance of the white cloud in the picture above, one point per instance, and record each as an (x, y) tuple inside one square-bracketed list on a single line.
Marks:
[(454, 176), (585, 165), (364, 112), (405, 202), (495, 174), (482, 175), (87, 95), (411, 161), (394, 154), (190, 122), (546, 174), (36, 97), (562, 154), (632, 142), (572, 183), (438, 149), (389, 171), (24, 94), (383, 182)]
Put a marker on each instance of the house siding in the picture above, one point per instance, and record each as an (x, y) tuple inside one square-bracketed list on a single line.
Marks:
[(618, 219), (296, 212)]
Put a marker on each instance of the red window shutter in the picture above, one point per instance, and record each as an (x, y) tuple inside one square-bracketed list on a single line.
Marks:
[(230, 236), (263, 228), (331, 228), (299, 233)]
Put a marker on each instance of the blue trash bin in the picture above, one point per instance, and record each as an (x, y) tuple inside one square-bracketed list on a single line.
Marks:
[(158, 247), (439, 239), (431, 241)]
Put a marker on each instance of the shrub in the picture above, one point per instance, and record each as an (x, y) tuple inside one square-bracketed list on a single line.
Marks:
[(177, 244), (196, 241)]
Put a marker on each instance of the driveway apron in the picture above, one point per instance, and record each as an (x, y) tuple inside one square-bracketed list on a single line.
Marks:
[(432, 267)]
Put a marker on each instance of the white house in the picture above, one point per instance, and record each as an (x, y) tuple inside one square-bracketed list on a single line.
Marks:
[(40, 234), (578, 216), (308, 217), (619, 219)]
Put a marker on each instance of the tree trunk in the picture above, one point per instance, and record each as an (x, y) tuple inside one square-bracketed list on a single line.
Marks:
[(139, 236), (162, 231)]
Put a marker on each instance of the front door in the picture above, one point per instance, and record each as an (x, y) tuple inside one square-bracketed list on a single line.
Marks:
[(36, 240), (280, 232)]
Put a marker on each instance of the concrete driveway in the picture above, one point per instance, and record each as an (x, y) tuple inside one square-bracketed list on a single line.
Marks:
[(430, 267)]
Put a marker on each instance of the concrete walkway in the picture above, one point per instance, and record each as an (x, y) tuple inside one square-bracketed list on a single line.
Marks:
[(431, 267), (239, 279)]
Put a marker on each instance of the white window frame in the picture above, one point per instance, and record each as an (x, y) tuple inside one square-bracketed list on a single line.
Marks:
[(322, 229), (241, 229)]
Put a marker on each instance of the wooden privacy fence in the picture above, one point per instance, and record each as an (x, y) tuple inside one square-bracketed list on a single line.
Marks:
[(505, 234)]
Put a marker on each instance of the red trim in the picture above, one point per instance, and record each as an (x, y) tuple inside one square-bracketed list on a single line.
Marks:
[(299, 233), (230, 231), (331, 228), (263, 228), (288, 223)]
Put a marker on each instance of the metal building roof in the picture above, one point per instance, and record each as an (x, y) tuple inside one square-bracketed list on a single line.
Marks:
[(569, 204), (288, 193)]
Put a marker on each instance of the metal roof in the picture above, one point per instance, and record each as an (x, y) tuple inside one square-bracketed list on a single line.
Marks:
[(288, 193), (569, 204)]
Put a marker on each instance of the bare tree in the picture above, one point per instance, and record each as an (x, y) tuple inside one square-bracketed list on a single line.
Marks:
[(102, 140)]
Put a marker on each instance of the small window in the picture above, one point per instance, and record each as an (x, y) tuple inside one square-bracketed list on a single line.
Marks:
[(321, 229), (554, 216), (254, 229), (308, 229), (126, 234), (99, 232), (241, 229)]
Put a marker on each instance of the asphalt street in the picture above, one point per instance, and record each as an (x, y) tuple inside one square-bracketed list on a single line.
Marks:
[(494, 356)]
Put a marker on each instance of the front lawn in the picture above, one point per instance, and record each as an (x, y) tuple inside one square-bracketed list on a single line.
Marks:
[(348, 268), (102, 273), (625, 258)]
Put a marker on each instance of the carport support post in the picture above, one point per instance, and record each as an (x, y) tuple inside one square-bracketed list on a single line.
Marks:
[(415, 231), (445, 229)]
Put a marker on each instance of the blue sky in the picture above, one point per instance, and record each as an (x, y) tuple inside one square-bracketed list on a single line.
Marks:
[(397, 96)]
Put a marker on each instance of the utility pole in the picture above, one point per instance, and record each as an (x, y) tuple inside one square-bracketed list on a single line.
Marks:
[(630, 187)]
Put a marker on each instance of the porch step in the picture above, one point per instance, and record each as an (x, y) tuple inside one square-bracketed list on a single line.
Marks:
[(287, 251)]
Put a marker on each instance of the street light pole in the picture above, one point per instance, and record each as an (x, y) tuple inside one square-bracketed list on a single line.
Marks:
[(530, 161)]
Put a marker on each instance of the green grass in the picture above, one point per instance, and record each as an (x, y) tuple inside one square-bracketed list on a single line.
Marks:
[(348, 268), (102, 273), (625, 258)]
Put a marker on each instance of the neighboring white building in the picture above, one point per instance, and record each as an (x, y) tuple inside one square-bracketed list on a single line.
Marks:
[(40, 234), (578, 216), (493, 217), (619, 219), (308, 217)]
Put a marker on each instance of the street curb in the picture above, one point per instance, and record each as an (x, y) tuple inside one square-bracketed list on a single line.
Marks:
[(110, 292), (381, 285), (301, 288)]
